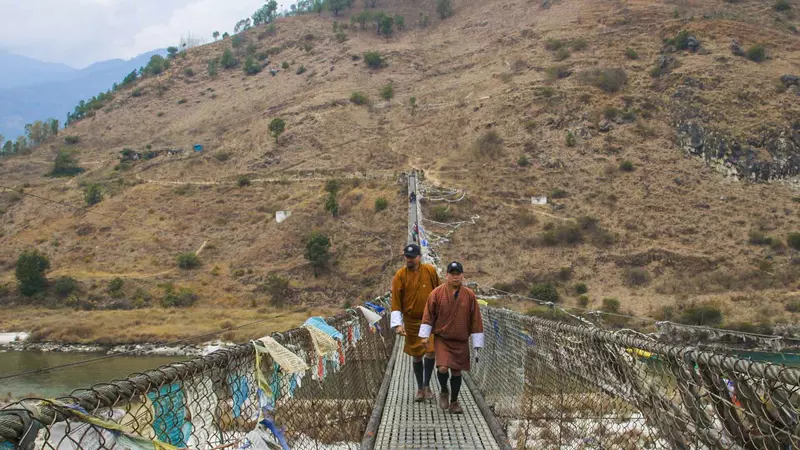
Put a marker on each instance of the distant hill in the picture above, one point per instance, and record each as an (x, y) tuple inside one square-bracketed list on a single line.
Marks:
[(56, 88), (24, 71)]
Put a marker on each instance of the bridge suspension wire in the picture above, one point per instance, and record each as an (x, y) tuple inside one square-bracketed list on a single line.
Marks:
[(129, 352), (648, 319)]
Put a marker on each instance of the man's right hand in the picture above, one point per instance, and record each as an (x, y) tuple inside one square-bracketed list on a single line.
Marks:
[(400, 330)]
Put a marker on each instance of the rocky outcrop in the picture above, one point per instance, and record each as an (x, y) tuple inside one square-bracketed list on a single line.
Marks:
[(775, 155)]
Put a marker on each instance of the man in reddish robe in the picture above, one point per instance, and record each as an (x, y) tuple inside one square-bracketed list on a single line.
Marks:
[(452, 314), (411, 287)]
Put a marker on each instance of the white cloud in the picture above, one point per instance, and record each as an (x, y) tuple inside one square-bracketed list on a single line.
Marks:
[(80, 32)]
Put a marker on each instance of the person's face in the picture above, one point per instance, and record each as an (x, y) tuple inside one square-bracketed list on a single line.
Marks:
[(412, 261), (455, 278)]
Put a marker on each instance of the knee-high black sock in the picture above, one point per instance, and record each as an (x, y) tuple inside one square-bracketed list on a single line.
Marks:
[(455, 383), (443, 380), (426, 378), (418, 373)]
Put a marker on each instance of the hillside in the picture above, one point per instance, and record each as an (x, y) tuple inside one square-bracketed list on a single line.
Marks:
[(657, 198)]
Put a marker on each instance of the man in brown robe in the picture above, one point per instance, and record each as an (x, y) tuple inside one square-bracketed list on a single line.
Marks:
[(452, 314), (411, 287)]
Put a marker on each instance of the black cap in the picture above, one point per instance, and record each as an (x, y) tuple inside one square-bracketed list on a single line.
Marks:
[(455, 266), (411, 250)]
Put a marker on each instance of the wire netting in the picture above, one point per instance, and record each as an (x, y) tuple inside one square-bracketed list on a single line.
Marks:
[(558, 385), (214, 401)]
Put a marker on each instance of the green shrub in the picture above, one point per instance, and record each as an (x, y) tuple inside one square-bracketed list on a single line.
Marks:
[(631, 53), (610, 305), (636, 276), (243, 181), (578, 44), (374, 59), (115, 285), (793, 306), (30, 272), (553, 44), (182, 101), (444, 8), (558, 72), (227, 60), (581, 288), (332, 205), (793, 240), (277, 287), (558, 193), (561, 54), (251, 67), (387, 93), (285, 65), (189, 72), (380, 204), (757, 53), (563, 234), (545, 292), (440, 213), (138, 92), (181, 299), (276, 127), (756, 237), (489, 144), (93, 194), (300, 70), (570, 139), (704, 314), (156, 66), (358, 98), (609, 80), (523, 161), (64, 286), (222, 156), (212, 68), (188, 261), (626, 166), (72, 140), (583, 301), (317, 252), (681, 40), (332, 186), (782, 5), (66, 165)]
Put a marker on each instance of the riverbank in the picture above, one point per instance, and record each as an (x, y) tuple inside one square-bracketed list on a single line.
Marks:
[(154, 331), (146, 349)]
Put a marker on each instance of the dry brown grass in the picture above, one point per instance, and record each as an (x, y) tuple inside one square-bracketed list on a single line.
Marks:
[(151, 325)]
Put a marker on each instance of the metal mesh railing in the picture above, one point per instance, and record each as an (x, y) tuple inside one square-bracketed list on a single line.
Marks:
[(214, 401), (557, 385)]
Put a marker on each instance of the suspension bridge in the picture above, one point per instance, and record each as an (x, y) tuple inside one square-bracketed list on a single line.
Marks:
[(343, 382)]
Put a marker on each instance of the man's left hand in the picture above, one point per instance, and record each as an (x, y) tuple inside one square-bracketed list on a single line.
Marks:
[(425, 341)]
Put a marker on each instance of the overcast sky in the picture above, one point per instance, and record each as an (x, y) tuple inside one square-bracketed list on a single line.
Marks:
[(80, 32)]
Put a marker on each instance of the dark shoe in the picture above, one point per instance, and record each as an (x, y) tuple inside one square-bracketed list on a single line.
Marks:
[(427, 392), (420, 396), (455, 408), (444, 400)]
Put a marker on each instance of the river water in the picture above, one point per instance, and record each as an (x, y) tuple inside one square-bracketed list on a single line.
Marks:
[(63, 381)]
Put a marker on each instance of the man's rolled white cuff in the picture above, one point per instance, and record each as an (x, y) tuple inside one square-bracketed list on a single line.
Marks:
[(477, 340), (425, 331), (397, 319)]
